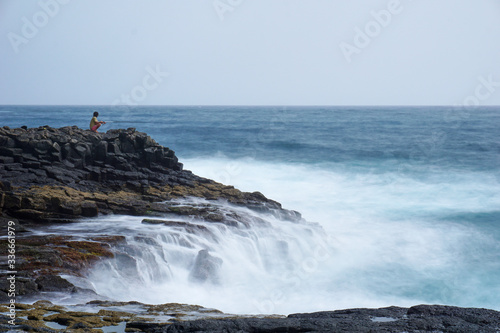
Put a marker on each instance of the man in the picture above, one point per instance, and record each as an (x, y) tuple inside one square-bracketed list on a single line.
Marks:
[(94, 123)]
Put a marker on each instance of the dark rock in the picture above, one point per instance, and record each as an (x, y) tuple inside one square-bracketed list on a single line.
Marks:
[(31, 164), (5, 151), (4, 298), (68, 164), (56, 147), (89, 209), (69, 208), (54, 283), (150, 155), (42, 145), (12, 202), (127, 146), (55, 156), (101, 150), (29, 214), (23, 285), (29, 157), (66, 150), (114, 148), (56, 175), (6, 159), (13, 167), (423, 318), (26, 286), (82, 150)]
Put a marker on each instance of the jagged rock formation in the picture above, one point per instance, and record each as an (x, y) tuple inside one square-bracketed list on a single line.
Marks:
[(50, 175)]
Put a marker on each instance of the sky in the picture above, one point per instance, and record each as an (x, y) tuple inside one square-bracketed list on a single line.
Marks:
[(250, 52)]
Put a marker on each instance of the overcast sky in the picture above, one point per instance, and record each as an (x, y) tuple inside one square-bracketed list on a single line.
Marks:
[(246, 52)]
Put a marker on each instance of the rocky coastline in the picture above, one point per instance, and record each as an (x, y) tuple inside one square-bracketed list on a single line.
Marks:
[(52, 176), (43, 316)]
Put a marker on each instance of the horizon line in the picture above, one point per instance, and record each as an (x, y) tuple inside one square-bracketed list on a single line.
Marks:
[(257, 105)]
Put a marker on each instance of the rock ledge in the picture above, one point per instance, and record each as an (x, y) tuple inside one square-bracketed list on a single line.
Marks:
[(54, 175), (50, 175)]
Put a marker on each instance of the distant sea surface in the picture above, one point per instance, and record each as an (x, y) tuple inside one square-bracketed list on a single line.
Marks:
[(410, 196)]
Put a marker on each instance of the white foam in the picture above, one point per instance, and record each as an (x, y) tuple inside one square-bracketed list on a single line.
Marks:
[(257, 261), (385, 243), (392, 247)]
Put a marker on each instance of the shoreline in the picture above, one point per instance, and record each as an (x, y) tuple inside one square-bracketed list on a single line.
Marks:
[(107, 316), (53, 175)]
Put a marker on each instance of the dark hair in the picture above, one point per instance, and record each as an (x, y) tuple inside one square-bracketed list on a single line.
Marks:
[(96, 114)]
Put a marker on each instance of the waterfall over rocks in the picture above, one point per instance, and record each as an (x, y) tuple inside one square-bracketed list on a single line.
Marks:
[(179, 257)]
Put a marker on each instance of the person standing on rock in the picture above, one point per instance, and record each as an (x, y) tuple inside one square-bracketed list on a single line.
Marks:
[(94, 123)]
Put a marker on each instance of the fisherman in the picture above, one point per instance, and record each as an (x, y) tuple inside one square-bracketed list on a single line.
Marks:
[(94, 123)]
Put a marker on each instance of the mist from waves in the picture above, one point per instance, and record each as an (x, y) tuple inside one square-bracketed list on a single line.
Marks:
[(399, 237), (384, 238), (258, 264)]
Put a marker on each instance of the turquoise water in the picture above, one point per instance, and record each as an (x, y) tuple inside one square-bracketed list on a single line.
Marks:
[(409, 195)]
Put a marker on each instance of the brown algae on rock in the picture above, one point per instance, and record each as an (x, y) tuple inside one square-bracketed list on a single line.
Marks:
[(96, 315)]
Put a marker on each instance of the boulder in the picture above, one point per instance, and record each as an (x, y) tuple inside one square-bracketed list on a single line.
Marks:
[(54, 283), (205, 268)]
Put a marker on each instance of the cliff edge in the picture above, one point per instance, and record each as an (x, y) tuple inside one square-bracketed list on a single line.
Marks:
[(50, 175), (53, 175)]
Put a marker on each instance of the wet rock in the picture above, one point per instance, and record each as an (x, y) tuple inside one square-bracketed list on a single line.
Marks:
[(54, 283), (111, 164), (29, 214), (41, 259), (192, 318), (425, 318), (53, 175), (126, 264), (89, 209), (205, 268), (190, 228)]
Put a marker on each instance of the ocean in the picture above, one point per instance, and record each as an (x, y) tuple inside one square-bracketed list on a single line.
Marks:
[(405, 200)]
